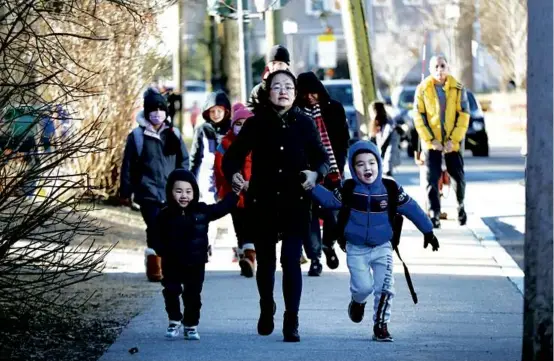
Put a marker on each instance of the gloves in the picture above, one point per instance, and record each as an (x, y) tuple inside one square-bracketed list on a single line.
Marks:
[(429, 238)]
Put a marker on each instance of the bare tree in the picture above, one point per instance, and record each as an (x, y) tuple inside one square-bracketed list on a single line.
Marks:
[(504, 35), (60, 65)]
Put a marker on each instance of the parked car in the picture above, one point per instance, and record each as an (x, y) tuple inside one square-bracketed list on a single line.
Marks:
[(477, 140), (341, 91), (195, 91)]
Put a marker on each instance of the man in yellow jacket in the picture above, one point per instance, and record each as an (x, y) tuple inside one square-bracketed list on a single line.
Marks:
[(441, 118)]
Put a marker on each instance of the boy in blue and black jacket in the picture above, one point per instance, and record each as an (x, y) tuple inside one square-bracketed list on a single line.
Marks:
[(368, 233)]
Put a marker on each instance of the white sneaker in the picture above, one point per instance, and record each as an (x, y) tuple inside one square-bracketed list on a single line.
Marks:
[(191, 334), (173, 329)]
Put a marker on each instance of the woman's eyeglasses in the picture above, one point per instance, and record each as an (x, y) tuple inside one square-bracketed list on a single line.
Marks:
[(278, 88)]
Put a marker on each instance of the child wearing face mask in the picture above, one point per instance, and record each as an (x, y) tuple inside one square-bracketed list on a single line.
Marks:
[(368, 233), (245, 252), (152, 151), (181, 240)]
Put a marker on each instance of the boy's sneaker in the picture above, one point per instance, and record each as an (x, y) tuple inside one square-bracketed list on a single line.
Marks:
[(191, 334), (173, 329), (315, 268), (381, 333), (356, 311)]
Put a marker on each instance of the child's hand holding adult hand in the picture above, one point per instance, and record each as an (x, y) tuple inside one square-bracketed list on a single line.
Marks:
[(431, 239)]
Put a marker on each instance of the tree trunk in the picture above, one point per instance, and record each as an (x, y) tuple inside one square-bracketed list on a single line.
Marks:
[(537, 327), (464, 36), (230, 58)]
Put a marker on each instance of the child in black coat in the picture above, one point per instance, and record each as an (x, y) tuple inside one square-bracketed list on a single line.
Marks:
[(182, 243)]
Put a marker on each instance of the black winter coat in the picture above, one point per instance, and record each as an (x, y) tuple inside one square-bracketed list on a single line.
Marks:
[(181, 235), (332, 112), (282, 147)]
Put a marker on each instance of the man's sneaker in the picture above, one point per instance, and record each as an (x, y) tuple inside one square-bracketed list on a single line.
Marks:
[(381, 333), (315, 268), (173, 329), (462, 216), (356, 311), (191, 334), (331, 256)]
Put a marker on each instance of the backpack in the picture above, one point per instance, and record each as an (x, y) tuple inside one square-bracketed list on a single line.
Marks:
[(138, 137), (396, 221)]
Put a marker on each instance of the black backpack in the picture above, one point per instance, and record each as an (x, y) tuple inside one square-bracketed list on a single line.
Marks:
[(396, 220)]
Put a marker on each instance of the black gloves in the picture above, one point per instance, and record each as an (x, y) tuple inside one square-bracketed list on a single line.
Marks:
[(342, 243), (429, 238)]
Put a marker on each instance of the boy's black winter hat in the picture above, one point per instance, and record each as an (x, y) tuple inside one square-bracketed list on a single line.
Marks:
[(278, 53), (153, 101), (184, 175)]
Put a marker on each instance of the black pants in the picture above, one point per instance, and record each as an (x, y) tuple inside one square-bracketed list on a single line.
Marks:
[(455, 168), (241, 225), (188, 285), (313, 244), (266, 256), (149, 211)]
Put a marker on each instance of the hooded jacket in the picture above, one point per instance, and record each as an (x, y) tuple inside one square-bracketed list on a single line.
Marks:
[(206, 140), (181, 234), (145, 174), (332, 112), (369, 221)]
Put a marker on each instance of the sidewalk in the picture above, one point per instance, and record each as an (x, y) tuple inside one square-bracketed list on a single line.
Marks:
[(467, 310)]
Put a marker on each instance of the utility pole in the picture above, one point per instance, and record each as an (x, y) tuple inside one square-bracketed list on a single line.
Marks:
[(273, 27), (179, 66), (359, 57), (244, 52), (537, 304)]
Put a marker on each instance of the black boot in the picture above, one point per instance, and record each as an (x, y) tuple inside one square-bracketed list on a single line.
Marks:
[(315, 268), (462, 216), (265, 323), (290, 327)]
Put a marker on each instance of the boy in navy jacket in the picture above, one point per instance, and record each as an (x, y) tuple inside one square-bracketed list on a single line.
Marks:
[(368, 233), (181, 240)]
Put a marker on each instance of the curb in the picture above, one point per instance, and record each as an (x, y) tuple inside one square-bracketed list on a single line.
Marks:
[(488, 240)]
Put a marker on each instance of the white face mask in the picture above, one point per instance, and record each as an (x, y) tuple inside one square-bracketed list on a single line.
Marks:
[(237, 128), (157, 117)]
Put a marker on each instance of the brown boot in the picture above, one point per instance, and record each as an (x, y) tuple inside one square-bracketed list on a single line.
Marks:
[(153, 265), (248, 263)]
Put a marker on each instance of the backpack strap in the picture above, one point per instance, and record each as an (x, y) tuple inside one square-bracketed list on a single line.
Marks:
[(138, 137), (396, 222)]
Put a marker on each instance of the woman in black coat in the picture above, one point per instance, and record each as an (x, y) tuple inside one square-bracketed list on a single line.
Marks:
[(288, 158)]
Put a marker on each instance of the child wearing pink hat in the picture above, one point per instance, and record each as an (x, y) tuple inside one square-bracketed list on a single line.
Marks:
[(245, 252)]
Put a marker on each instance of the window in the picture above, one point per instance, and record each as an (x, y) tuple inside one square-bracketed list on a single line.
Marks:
[(413, 2), (386, 3), (316, 7)]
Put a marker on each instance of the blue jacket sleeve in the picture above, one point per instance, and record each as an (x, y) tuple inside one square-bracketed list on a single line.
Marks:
[(128, 168), (223, 207), (326, 198), (408, 207), (197, 151)]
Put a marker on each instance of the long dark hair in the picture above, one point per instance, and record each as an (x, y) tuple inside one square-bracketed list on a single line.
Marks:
[(378, 117)]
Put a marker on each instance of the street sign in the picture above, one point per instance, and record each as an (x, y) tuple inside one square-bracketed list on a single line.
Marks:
[(327, 51)]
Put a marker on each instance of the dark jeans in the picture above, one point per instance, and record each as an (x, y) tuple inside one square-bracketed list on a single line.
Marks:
[(188, 284), (241, 226), (266, 256), (313, 244), (149, 211), (455, 168)]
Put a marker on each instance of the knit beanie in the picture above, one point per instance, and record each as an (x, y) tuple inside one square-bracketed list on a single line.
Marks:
[(153, 101), (240, 111), (278, 53)]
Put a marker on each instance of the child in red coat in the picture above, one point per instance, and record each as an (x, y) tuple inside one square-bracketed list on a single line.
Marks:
[(245, 251)]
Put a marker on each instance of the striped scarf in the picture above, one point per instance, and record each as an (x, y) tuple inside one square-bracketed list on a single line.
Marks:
[(315, 113)]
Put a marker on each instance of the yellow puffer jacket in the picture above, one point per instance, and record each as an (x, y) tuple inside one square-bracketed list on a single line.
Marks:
[(429, 126)]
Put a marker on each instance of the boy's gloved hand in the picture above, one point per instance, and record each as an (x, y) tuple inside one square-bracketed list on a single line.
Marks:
[(342, 243), (429, 238)]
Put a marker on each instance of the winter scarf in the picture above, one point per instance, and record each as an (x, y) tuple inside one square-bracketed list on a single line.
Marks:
[(315, 113)]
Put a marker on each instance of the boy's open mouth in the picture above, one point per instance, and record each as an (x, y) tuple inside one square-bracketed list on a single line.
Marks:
[(368, 175)]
